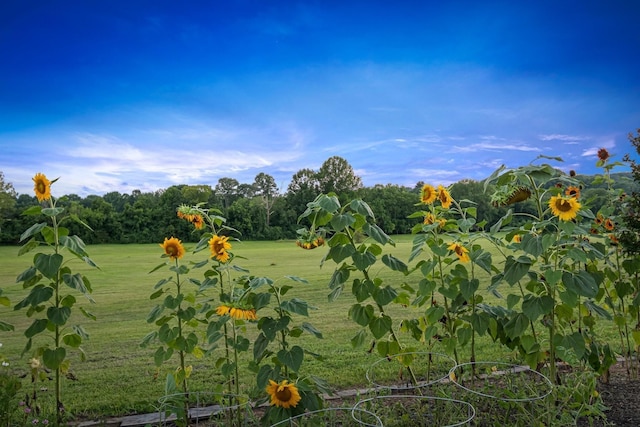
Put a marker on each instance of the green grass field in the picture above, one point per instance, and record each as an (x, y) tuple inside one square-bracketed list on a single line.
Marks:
[(119, 377)]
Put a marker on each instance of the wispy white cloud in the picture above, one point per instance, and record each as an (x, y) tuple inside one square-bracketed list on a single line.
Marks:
[(561, 137), (485, 146)]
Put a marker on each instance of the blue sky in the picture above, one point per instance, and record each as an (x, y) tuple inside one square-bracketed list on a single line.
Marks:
[(119, 96)]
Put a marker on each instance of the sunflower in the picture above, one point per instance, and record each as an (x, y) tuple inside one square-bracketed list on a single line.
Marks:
[(603, 154), (572, 191), (197, 221), (283, 394), (237, 313), (444, 197), (460, 251), (564, 208), (218, 246), (42, 187), (613, 240), (428, 194), (516, 239), (430, 218), (608, 224), (173, 248), (599, 219)]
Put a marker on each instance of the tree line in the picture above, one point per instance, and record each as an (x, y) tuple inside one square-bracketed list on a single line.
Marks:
[(258, 210)]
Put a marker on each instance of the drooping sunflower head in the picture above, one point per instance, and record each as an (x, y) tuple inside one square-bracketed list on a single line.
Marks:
[(197, 221), (565, 208), (237, 312), (572, 191), (42, 187), (444, 197), (173, 248), (460, 251), (283, 394), (599, 219), (219, 245), (428, 194), (603, 154), (510, 194)]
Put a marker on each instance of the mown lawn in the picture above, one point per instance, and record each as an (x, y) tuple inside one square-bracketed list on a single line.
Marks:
[(119, 377)]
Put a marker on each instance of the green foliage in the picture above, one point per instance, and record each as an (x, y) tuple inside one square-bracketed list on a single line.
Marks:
[(47, 301)]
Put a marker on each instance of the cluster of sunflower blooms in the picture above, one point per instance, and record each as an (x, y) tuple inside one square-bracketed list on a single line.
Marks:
[(428, 196), (283, 394)]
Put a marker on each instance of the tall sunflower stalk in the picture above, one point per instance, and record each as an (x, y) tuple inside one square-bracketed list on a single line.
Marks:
[(49, 298), (555, 260), (229, 316)]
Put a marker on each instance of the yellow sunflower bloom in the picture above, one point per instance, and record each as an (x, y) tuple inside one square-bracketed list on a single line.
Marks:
[(572, 191), (283, 394), (428, 194), (173, 248), (219, 246), (516, 239), (460, 251), (42, 187), (444, 197), (565, 209), (608, 224)]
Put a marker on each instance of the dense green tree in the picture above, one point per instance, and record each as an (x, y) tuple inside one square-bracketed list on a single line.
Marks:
[(303, 188), (630, 236), (227, 190), (7, 198), (336, 175), (266, 188)]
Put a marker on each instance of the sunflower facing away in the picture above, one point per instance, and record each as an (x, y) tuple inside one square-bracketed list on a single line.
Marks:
[(283, 394), (42, 187), (219, 246), (237, 313), (564, 208), (173, 248), (428, 194), (461, 252)]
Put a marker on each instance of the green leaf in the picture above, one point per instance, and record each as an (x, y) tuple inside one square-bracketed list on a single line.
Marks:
[(311, 329), (376, 233), (78, 282), (379, 326), (28, 247), (34, 229), (339, 222), (516, 326), (38, 295), (358, 339), (362, 261), (72, 340), (582, 283), (360, 314), (58, 315), (469, 287), (5, 327), (296, 305), (535, 307), (259, 347), (395, 264), (515, 269), (53, 358), (384, 296), (292, 358), (340, 252), (387, 348), (48, 265), (362, 289), (361, 207), (51, 212), (575, 342), (36, 327)]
